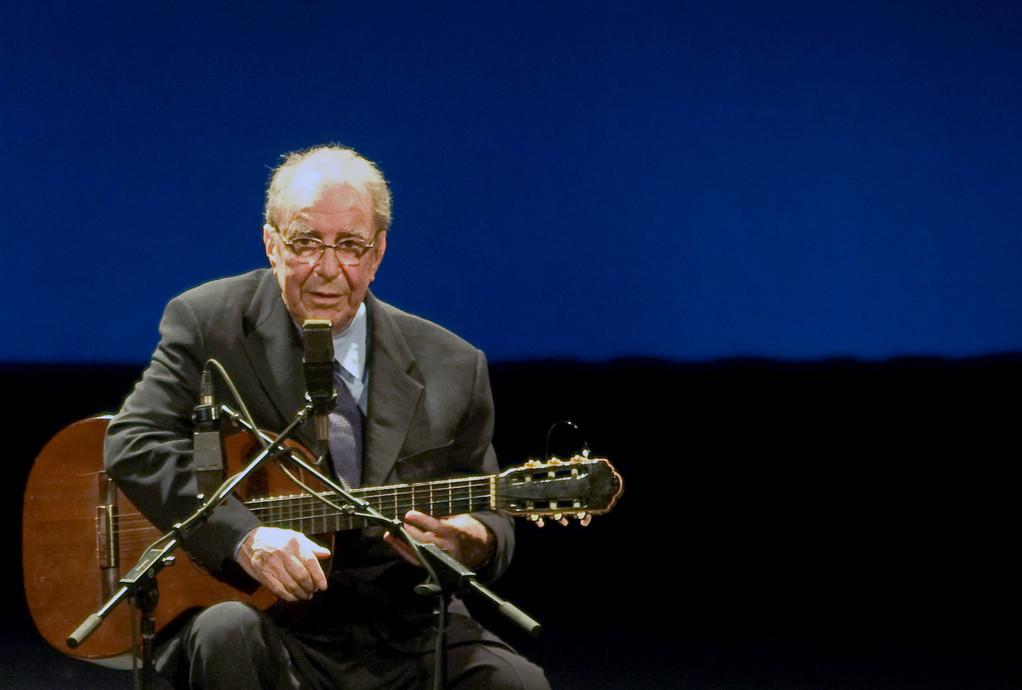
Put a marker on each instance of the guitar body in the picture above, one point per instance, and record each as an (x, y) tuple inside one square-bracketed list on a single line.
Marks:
[(72, 564)]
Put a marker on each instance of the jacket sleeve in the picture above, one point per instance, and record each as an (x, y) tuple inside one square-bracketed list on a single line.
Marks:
[(148, 449), (474, 439)]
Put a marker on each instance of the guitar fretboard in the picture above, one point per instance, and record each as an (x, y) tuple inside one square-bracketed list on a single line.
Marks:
[(309, 515)]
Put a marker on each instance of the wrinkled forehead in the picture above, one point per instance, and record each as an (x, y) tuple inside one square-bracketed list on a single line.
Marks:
[(313, 195)]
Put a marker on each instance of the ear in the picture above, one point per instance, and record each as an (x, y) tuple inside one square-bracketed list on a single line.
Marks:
[(378, 251), (269, 242)]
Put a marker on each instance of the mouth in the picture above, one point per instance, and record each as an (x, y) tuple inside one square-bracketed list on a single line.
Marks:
[(325, 296)]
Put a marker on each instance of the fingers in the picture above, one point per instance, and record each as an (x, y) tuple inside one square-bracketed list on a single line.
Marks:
[(285, 561), (427, 523), (416, 524), (311, 556), (441, 537), (292, 570), (430, 530), (422, 535)]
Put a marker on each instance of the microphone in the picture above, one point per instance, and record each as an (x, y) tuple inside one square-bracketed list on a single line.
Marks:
[(319, 375), (207, 443)]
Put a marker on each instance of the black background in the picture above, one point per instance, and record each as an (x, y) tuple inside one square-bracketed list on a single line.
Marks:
[(838, 524)]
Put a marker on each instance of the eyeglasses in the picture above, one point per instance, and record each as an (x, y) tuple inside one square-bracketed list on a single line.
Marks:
[(310, 250)]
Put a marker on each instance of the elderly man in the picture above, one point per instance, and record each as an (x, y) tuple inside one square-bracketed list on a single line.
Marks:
[(413, 403)]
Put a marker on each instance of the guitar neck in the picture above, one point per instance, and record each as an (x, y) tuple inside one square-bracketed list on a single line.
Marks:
[(310, 515)]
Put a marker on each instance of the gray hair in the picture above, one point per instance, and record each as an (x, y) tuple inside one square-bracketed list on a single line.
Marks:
[(298, 181)]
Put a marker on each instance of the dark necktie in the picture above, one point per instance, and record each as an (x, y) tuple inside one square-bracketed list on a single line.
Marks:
[(346, 434)]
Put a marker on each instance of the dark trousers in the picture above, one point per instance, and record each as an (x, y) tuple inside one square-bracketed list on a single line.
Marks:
[(232, 645)]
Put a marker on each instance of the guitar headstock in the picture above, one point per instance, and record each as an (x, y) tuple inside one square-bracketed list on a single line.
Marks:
[(579, 488)]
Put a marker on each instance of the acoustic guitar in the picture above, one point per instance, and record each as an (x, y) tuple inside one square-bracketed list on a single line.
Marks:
[(80, 533)]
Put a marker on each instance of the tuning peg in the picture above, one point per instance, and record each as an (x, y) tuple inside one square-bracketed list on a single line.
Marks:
[(563, 521), (584, 519), (539, 521), (557, 516)]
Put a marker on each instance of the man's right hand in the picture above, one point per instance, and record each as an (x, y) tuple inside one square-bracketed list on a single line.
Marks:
[(285, 561)]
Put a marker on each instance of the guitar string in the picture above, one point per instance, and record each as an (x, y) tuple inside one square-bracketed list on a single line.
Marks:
[(141, 536), (310, 512), (272, 517), (371, 495), (382, 498), (309, 508)]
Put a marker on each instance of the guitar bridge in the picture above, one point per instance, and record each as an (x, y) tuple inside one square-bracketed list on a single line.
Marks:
[(107, 543), (106, 540)]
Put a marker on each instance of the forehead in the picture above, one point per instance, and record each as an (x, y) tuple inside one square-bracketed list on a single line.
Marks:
[(336, 206)]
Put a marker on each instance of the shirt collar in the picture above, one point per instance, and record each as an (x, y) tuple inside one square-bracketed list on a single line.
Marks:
[(350, 345)]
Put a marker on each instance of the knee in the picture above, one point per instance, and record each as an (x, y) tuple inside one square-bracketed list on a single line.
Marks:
[(504, 670), (522, 674), (221, 627)]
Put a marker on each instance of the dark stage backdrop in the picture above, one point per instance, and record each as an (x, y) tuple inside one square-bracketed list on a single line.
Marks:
[(831, 525)]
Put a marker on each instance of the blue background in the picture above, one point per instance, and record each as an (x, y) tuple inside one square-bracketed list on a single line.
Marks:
[(587, 179)]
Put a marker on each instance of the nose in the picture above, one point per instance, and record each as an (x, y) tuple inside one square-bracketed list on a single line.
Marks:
[(328, 267)]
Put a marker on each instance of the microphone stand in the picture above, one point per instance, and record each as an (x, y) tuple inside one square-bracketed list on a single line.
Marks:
[(446, 576)]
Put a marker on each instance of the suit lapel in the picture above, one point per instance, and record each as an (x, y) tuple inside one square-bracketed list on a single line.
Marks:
[(394, 394), (274, 349)]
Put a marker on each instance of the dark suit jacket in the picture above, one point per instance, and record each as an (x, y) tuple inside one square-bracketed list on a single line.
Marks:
[(430, 415)]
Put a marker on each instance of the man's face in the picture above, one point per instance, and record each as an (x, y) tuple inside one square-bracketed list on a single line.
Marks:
[(326, 289)]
